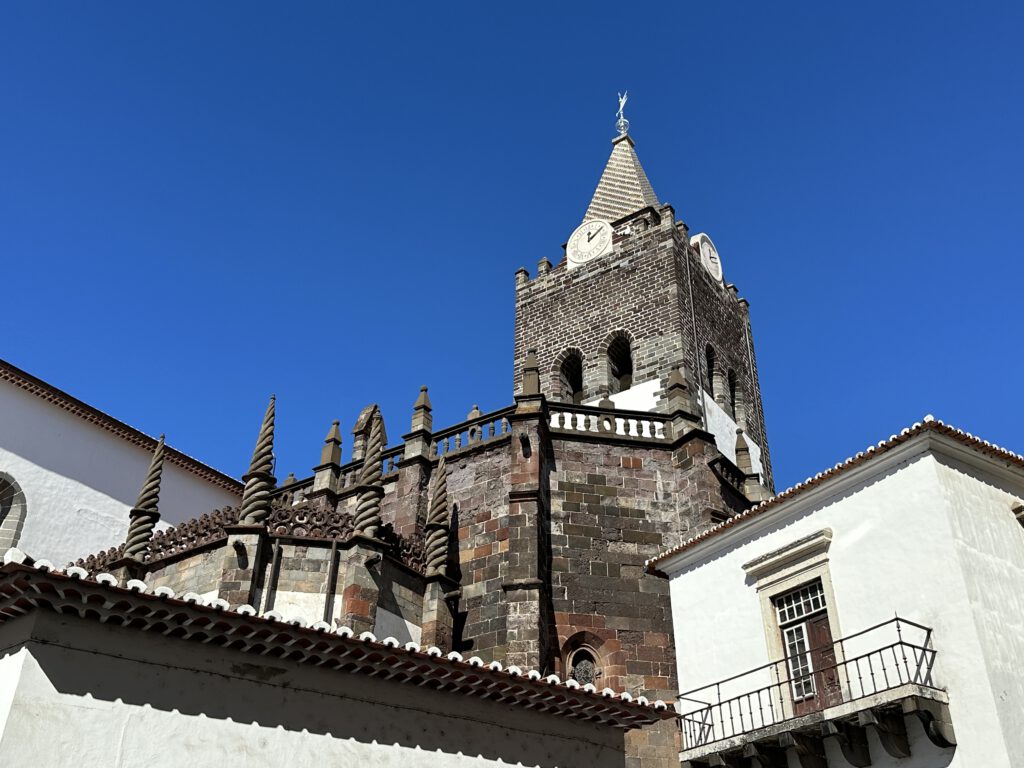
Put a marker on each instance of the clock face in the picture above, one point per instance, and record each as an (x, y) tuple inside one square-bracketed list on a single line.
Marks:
[(708, 255), (590, 240)]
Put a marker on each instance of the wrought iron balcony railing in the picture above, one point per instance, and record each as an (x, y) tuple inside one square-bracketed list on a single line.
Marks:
[(878, 659)]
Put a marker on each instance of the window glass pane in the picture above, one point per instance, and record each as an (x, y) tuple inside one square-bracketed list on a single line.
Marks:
[(800, 603), (799, 661)]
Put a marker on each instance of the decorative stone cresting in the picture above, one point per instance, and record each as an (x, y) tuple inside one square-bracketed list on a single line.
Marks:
[(367, 515), (438, 522), (260, 481), (144, 515), (314, 519)]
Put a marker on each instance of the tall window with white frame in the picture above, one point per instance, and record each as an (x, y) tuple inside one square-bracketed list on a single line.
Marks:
[(807, 640)]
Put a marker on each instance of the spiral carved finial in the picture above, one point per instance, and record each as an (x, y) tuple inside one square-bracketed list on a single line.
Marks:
[(260, 480), (144, 515), (367, 516), (438, 522)]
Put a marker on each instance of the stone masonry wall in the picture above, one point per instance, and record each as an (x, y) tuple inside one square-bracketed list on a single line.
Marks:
[(478, 487), (632, 290), (643, 288), (721, 320), (199, 573)]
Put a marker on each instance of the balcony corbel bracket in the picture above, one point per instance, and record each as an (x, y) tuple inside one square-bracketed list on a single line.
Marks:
[(852, 740), (891, 730), (935, 719), (763, 755), (720, 760), (810, 750)]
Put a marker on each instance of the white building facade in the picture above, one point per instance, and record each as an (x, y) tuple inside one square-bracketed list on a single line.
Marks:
[(69, 473), (869, 616), (94, 675)]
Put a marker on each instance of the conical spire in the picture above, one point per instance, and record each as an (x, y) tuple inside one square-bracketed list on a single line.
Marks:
[(367, 516), (331, 452), (145, 514), (421, 412), (624, 187), (260, 480), (438, 522)]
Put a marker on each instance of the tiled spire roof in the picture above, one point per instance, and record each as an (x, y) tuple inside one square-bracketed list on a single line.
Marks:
[(624, 187)]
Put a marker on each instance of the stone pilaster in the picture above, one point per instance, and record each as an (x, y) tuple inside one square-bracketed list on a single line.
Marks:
[(327, 473), (126, 569), (241, 577), (360, 587), (414, 470), (752, 487), (438, 621), (680, 402), (526, 586)]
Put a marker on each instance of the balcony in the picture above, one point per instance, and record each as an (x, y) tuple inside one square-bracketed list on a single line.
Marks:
[(875, 678)]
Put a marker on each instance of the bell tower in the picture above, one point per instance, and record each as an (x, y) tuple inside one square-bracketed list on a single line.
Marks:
[(635, 299)]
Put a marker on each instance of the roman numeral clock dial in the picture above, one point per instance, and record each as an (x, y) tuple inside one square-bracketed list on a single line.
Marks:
[(590, 240)]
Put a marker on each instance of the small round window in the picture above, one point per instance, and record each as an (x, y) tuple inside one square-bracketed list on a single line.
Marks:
[(583, 667)]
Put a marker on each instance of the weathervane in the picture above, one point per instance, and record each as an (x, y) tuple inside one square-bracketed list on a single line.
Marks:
[(622, 124)]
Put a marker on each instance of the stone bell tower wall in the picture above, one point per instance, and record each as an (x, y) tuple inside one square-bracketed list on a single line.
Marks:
[(634, 290), (721, 319), (654, 289)]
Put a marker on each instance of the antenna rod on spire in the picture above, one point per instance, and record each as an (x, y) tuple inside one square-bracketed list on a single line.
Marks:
[(622, 124)]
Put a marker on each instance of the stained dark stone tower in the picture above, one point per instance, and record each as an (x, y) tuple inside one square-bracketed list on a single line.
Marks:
[(652, 301)]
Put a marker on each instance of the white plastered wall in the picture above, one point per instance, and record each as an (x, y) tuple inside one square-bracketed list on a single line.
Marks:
[(641, 397), (723, 427), (910, 537), (79, 480), (124, 698)]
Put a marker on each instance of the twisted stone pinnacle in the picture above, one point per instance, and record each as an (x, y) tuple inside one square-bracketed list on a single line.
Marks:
[(438, 523), (260, 480), (367, 516), (144, 515)]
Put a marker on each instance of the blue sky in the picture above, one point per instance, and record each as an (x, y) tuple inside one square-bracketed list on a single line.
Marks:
[(204, 203)]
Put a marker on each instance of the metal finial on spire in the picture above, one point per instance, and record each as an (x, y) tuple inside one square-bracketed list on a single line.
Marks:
[(260, 480), (145, 514), (622, 124)]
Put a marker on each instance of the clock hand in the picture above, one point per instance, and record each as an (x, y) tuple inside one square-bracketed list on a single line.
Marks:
[(591, 235)]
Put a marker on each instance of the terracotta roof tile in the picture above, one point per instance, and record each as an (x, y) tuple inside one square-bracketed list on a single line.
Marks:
[(27, 586), (928, 424)]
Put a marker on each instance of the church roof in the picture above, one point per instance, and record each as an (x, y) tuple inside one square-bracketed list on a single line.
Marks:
[(60, 399), (928, 425), (624, 187), (27, 586)]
